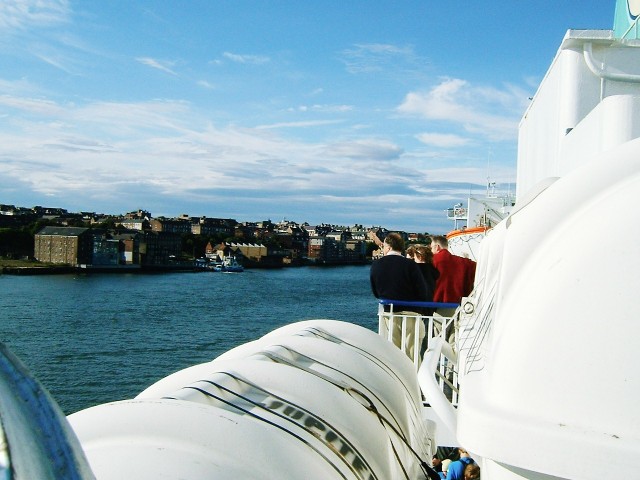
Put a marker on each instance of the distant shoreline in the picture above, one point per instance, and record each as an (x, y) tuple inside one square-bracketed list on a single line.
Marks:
[(66, 269)]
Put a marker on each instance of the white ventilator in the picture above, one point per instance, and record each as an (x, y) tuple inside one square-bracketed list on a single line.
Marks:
[(318, 399)]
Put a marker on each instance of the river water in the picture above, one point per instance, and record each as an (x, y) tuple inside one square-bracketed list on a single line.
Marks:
[(95, 338)]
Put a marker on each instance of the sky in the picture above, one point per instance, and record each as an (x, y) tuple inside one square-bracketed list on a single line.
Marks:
[(372, 112)]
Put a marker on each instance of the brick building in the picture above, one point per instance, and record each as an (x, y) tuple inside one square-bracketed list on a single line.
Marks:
[(64, 245)]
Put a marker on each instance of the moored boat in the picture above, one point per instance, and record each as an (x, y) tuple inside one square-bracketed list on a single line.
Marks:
[(230, 264)]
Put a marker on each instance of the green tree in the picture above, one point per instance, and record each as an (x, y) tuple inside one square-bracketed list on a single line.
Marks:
[(16, 243)]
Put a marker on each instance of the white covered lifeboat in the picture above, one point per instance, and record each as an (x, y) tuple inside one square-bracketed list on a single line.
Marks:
[(318, 399), (552, 390)]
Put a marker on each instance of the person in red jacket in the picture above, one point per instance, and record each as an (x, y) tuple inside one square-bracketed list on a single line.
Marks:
[(457, 274)]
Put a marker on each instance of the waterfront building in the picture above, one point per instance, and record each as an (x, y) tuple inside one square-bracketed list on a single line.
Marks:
[(106, 250), (83, 246), (129, 248), (252, 251), (64, 245), (159, 248)]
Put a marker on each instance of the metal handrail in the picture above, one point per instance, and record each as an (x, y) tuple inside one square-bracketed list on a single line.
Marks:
[(36, 440), (406, 303), (602, 72), (413, 325)]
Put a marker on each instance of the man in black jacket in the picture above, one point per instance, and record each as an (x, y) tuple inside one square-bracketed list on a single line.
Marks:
[(395, 277)]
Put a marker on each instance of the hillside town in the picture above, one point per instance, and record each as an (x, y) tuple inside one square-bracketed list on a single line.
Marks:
[(139, 241)]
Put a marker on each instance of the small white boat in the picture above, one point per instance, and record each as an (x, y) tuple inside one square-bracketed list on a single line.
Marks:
[(228, 264)]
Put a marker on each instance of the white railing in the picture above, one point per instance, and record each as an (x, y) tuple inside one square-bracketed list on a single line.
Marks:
[(430, 341), (425, 336)]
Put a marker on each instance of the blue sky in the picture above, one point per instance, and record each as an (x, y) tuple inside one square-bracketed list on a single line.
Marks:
[(338, 111)]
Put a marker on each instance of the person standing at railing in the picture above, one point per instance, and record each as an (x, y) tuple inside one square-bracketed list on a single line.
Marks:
[(457, 274), (395, 277), (424, 258)]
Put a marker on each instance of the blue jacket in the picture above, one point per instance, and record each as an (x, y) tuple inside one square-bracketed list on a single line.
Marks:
[(456, 469)]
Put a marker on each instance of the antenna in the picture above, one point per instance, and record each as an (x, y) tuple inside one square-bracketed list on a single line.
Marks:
[(490, 185)]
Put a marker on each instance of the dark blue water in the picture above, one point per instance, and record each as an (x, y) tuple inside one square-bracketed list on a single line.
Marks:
[(96, 338)]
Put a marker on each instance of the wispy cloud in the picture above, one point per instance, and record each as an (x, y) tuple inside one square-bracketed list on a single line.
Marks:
[(75, 144), (375, 57), (205, 84), (55, 58), (31, 105), (17, 87), (366, 149), (22, 14), (488, 112), (322, 108), (36, 28), (162, 65), (300, 124), (250, 59), (445, 140)]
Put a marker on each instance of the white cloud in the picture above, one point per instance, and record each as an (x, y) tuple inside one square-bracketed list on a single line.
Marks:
[(45, 30), (31, 105), (445, 140), (376, 57), (97, 149), (205, 84), (55, 59), (300, 124), (488, 112), (252, 59), (163, 65), (366, 149), (22, 14), (322, 108), (332, 108)]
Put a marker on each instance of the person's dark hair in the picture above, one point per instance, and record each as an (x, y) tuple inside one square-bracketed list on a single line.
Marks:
[(395, 241), (411, 251)]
